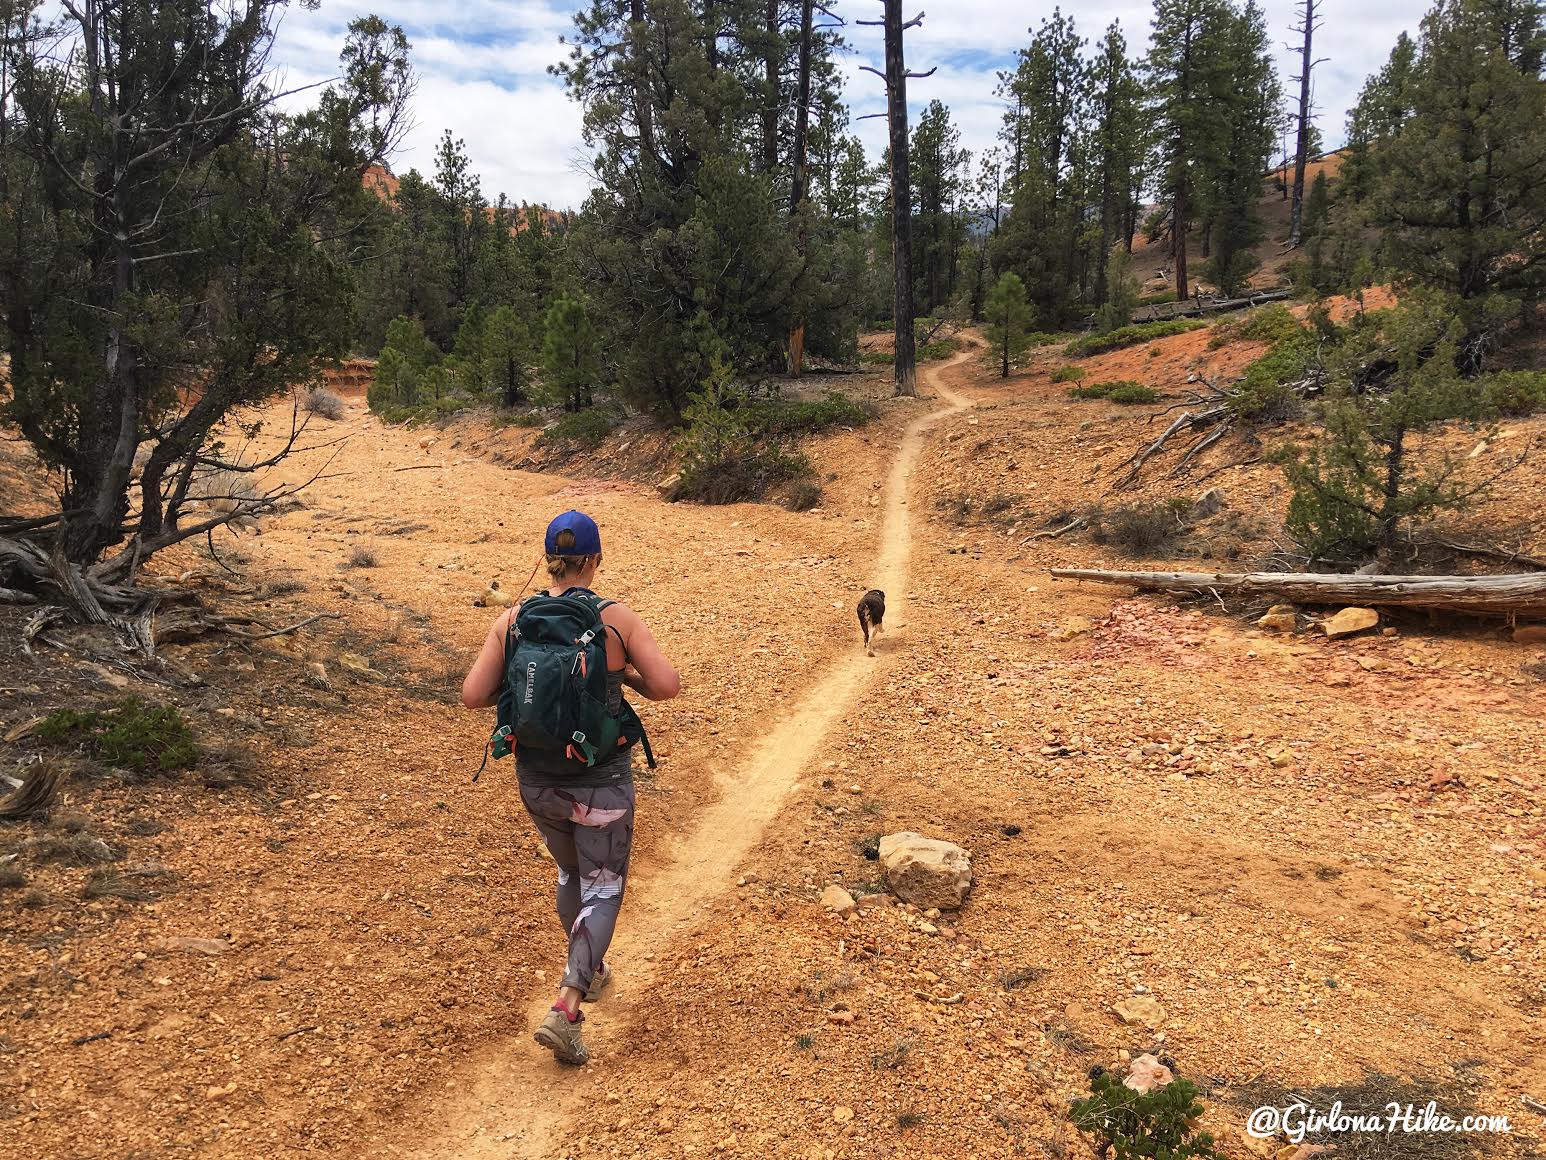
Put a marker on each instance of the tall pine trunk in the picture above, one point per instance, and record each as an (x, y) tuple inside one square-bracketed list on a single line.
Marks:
[(770, 80), (1302, 148), (800, 177), (641, 93), (901, 203), (1178, 225)]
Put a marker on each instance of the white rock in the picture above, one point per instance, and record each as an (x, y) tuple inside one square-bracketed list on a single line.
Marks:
[(925, 871), (1147, 1073), (1349, 621), (837, 900)]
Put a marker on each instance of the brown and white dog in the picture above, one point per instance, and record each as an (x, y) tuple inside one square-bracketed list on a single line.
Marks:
[(872, 612)]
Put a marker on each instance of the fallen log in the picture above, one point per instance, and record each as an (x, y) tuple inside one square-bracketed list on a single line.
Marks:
[(1191, 308), (1515, 594)]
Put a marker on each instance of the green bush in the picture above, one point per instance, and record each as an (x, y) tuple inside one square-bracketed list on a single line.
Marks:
[(425, 412), (1514, 393), (1129, 336), (1068, 374), (142, 739), (883, 358), (722, 460), (1158, 299), (1271, 323), (1044, 338), (1264, 393), (586, 429), (1131, 393), (748, 474), (934, 351), (805, 416), (1093, 391), (1360, 486), (1130, 1126)]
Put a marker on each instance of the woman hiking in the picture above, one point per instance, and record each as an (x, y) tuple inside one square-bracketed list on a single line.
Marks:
[(583, 808)]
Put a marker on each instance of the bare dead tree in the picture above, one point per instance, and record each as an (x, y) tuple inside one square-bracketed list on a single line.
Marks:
[(895, 77), (1307, 62), (799, 177)]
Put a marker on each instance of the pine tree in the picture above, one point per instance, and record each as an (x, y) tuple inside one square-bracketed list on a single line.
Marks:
[(1459, 194), (1383, 106), (685, 247), (467, 352), (412, 275), (937, 164), (1361, 483), (569, 354), (401, 375), (1187, 72), (463, 211), (1314, 222), (1045, 132), (1118, 146), (506, 349), (1249, 99), (1123, 288), (1009, 319)]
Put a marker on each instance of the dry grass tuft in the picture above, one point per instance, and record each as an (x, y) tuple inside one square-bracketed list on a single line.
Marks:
[(1454, 1096), (323, 402), (38, 791), (72, 850), (129, 885)]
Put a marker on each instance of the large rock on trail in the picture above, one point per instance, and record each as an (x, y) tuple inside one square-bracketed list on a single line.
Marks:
[(1349, 621), (925, 871)]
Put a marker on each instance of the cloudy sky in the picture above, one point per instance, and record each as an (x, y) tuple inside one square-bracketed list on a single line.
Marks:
[(482, 66)]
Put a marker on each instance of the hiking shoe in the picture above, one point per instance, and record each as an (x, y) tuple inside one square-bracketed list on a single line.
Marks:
[(599, 982), (562, 1038)]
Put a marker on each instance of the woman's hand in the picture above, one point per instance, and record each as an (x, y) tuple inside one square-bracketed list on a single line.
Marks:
[(647, 671)]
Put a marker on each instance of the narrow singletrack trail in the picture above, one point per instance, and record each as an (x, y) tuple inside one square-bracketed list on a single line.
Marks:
[(511, 1100)]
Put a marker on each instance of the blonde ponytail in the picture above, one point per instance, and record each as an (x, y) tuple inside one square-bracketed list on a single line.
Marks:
[(560, 564)]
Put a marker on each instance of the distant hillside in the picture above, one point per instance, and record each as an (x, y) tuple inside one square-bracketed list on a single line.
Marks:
[(1152, 259), (383, 182)]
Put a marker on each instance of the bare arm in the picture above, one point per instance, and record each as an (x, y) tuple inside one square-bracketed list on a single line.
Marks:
[(649, 673), (481, 687)]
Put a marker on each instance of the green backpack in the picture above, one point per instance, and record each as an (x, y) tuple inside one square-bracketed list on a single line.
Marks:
[(554, 697)]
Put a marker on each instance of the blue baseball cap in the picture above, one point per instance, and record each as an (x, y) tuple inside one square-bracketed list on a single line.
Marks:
[(587, 537)]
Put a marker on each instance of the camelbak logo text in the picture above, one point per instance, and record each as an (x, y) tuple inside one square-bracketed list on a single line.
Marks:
[(531, 680)]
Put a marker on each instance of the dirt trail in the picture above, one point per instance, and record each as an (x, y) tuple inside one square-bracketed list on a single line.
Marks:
[(1326, 860), (512, 1104)]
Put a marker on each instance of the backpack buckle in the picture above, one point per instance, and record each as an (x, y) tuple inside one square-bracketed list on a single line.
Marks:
[(584, 750)]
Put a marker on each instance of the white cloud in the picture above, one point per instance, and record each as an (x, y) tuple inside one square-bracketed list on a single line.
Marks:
[(482, 71), (988, 33)]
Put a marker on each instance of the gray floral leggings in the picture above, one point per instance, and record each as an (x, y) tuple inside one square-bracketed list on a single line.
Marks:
[(589, 832)]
